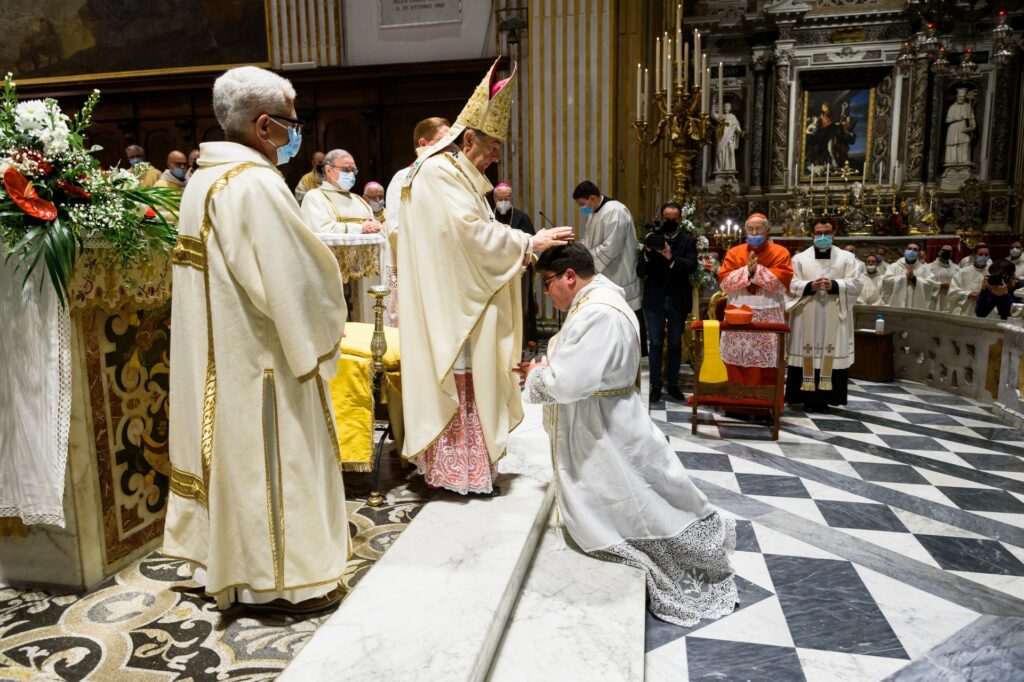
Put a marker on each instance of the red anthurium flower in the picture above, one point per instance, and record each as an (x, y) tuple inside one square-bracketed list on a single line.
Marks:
[(25, 197), (72, 190), (150, 213)]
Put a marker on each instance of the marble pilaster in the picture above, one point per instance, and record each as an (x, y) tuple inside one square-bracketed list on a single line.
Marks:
[(757, 162), (917, 120)]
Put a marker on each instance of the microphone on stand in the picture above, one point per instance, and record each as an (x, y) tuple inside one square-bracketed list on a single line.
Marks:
[(541, 213)]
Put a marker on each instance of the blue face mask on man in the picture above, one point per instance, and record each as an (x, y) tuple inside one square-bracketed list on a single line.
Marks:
[(178, 173), (755, 241), (346, 180), (910, 255), (287, 151), (981, 261), (823, 241), (586, 210)]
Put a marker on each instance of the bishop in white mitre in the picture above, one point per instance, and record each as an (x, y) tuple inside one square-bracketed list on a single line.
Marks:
[(621, 491), (908, 280), (257, 503), (824, 289), (333, 208)]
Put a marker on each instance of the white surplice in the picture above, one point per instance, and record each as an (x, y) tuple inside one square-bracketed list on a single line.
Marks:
[(965, 282), (822, 323), (905, 295), (258, 502), (622, 492), (940, 273), (611, 238), (873, 290), (329, 209)]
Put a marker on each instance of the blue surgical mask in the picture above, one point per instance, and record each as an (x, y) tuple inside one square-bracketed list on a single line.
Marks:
[(910, 255), (823, 241), (135, 161), (178, 173), (755, 241), (287, 151), (981, 261), (586, 210), (346, 180)]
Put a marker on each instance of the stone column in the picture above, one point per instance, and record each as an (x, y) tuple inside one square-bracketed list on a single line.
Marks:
[(780, 118), (1002, 118), (916, 120), (758, 62)]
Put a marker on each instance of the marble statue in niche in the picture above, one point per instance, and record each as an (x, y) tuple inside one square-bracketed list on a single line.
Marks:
[(961, 128), (729, 132)]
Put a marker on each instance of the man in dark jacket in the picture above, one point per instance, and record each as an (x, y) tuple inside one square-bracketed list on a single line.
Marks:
[(668, 259), (505, 212)]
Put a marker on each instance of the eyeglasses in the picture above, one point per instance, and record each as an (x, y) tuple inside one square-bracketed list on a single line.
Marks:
[(296, 123), (546, 281), (353, 170)]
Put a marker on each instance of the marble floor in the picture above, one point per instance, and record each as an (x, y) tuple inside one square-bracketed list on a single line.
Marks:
[(882, 541)]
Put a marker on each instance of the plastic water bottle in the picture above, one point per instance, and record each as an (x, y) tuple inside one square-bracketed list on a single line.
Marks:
[(879, 324)]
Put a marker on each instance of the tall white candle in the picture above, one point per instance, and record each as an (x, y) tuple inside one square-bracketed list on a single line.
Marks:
[(679, 41), (698, 69), (657, 64), (647, 92), (639, 93), (686, 62), (828, 171), (707, 89), (879, 182), (721, 89), (668, 64)]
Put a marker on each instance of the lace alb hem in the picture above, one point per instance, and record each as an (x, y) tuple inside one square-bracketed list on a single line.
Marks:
[(536, 390), (689, 577), (49, 518)]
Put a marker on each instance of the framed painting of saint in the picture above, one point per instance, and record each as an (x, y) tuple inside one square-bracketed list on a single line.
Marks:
[(837, 127), (54, 41)]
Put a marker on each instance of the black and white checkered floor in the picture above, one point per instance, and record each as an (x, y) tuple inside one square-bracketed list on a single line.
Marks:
[(884, 540)]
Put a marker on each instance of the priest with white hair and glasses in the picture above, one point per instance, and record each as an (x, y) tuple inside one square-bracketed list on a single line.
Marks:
[(257, 504)]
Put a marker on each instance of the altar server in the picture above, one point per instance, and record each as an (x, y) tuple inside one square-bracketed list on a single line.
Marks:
[(461, 331), (824, 288), (755, 274), (621, 490), (257, 504), (909, 280), (426, 133), (966, 284)]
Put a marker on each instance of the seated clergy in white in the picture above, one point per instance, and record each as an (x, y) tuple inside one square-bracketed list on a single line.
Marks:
[(873, 290), (332, 207), (825, 286), (966, 285), (622, 492), (257, 504), (941, 272), (908, 278)]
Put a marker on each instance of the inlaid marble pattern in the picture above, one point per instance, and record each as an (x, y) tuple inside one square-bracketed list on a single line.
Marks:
[(127, 363), (882, 541)]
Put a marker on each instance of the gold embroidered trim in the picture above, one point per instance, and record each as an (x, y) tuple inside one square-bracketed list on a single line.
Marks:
[(407, 193), (275, 509), (330, 422), (319, 361), (617, 391), (188, 486), (462, 172), (189, 251), (210, 389)]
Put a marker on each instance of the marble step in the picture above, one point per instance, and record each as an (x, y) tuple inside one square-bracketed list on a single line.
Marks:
[(436, 604), (577, 618)]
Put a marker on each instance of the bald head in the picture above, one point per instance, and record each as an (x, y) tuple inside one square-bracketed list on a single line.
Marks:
[(373, 191), (177, 159)]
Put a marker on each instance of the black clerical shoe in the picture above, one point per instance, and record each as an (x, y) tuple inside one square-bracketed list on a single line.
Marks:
[(314, 605), (655, 395), (676, 393)]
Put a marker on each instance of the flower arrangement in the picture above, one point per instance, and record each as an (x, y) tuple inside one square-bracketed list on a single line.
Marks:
[(54, 193), (706, 273)]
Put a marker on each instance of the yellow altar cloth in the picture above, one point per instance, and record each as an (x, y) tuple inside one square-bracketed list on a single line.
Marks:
[(352, 394)]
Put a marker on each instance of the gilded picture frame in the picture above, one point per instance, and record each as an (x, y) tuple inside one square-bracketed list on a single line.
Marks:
[(63, 41), (837, 125)]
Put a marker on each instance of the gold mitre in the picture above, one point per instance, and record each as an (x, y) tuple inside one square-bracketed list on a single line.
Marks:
[(490, 107)]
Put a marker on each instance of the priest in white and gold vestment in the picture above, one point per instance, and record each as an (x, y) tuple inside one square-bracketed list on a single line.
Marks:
[(461, 327), (332, 207), (258, 504)]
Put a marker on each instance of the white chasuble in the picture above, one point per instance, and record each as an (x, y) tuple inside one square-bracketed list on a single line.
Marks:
[(622, 493), (257, 497), (965, 282), (460, 273), (940, 274), (873, 289), (329, 209), (904, 293), (821, 323)]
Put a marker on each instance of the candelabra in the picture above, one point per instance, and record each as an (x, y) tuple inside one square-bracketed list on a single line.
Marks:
[(687, 129), (728, 234)]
